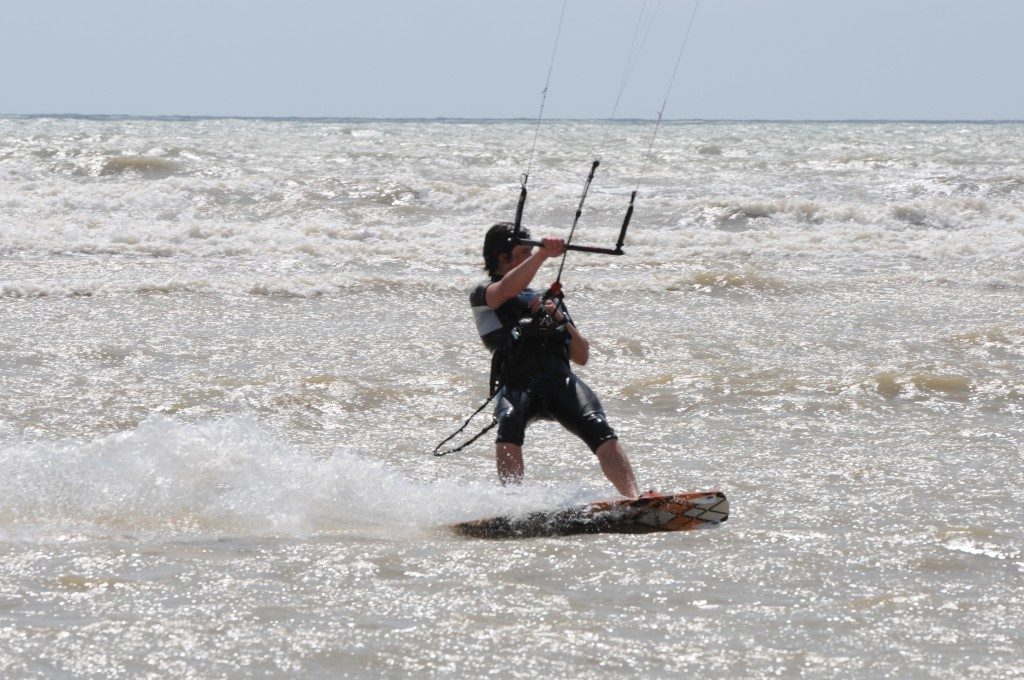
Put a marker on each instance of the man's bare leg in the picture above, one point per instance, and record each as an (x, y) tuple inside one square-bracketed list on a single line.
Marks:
[(616, 467), (510, 463)]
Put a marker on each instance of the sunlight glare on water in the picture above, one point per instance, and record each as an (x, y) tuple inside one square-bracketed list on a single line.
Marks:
[(231, 345)]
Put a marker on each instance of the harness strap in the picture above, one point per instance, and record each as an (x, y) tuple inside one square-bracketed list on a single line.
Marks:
[(469, 441), (464, 426)]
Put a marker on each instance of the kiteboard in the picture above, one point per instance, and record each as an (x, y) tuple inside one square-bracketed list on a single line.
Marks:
[(649, 513)]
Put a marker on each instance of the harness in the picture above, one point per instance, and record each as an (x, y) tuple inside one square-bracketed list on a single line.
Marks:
[(538, 328)]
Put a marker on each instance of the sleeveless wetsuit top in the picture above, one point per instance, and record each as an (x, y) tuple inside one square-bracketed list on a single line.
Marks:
[(519, 349)]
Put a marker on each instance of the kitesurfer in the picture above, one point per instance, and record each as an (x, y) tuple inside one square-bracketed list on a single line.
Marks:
[(532, 340)]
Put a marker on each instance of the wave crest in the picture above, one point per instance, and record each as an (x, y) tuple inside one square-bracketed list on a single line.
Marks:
[(149, 166)]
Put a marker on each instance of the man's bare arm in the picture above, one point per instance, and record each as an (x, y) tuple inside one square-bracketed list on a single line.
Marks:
[(579, 346), (514, 282)]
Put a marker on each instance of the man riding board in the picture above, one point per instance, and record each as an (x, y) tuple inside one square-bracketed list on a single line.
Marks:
[(532, 341)]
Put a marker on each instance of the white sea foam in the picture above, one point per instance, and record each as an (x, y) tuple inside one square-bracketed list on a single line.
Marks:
[(261, 189), (65, 288), (171, 479)]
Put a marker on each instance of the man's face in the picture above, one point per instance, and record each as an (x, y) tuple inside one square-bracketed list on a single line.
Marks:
[(520, 254), (513, 259)]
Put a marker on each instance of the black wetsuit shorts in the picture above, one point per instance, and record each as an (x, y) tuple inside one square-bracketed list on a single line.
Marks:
[(551, 396)]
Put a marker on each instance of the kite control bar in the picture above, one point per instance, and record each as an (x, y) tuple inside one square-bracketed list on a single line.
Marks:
[(582, 249), (617, 250)]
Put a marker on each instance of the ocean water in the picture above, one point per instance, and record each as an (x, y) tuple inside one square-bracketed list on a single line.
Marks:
[(229, 346)]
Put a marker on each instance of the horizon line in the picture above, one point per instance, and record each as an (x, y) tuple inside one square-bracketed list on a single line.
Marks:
[(487, 119)]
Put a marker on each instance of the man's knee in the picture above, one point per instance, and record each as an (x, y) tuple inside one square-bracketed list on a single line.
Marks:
[(510, 414), (595, 430), (511, 428)]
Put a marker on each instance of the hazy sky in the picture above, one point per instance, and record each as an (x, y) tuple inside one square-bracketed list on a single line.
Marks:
[(789, 59)]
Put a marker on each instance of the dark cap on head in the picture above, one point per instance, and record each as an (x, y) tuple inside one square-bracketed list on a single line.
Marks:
[(498, 241)]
